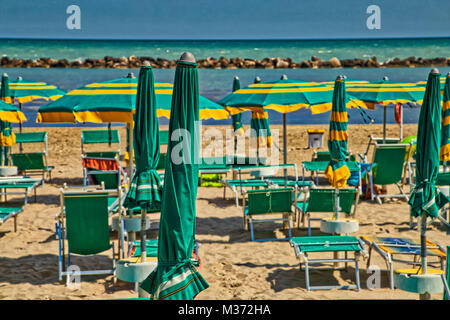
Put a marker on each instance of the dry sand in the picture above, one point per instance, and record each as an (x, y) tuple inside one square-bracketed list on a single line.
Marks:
[(234, 267)]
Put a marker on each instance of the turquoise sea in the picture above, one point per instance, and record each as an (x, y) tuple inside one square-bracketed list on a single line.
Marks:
[(215, 84)]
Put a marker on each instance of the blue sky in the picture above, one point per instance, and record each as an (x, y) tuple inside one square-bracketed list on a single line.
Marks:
[(224, 19)]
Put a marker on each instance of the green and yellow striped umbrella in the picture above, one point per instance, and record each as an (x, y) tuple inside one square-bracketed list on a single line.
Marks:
[(23, 91), (337, 171), (237, 118), (385, 92), (442, 81), (444, 154), (260, 128), (115, 101), (8, 112), (176, 277)]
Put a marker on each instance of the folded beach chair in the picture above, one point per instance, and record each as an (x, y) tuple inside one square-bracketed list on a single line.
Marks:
[(83, 224), (100, 138), (387, 168), (321, 200), (303, 246), (265, 203), (32, 163), (390, 248)]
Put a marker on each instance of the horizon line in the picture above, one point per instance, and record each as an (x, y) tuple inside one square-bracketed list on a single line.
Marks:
[(237, 39)]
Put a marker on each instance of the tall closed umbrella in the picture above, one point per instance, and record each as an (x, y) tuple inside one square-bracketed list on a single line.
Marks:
[(176, 276), (444, 153), (337, 171), (236, 119), (145, 189), (7, 137), (426, 199)]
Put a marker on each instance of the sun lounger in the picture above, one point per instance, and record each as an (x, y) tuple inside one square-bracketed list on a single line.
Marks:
[(32, 163), (377, 140), (100, 137), (13, 185), (10, 212), (268, 202), (390, 248), (83, 224), (304, 246), (388, 168), (321, 200), (316, 167)]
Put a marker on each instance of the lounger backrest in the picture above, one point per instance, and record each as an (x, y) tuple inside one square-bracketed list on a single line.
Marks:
[(28, 161), (87, 222), (322, 200), (270, 200), (101, 154), (100, 136), (389, 159), (30, 137), (322, 156)]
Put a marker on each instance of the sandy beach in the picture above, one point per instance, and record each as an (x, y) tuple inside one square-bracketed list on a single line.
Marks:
[(234, 267)]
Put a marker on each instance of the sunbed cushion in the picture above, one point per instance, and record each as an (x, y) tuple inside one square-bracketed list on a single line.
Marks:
[(326, 243)]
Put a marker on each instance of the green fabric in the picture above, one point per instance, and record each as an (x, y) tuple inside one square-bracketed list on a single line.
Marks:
[(326, 243), (175, 276), (163, 137), (443, 179), (29, 161), (236, 118), (266, 201), (87, 222), (101, 154), (8, 212), (389, 162), (425, 197), (100, 136), (145, 189), (151, 247), (5, 126), (323, 200), (5, 98), (447, 272), (110, 179), (323, 156), (28, 137)]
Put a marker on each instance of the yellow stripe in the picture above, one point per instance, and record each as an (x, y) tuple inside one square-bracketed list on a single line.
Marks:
[(383, 85), (293, 90), (216, 114), (121, 85), (260, 115), (336, 135), (55, 117), (444, 153), (339, 116), (350, 89), (31, 87), (8, 100), (102, 117), (266, 85), (31, 98), (28, 83), (445, 105), (12, 116), (286, 108), (113, 92)]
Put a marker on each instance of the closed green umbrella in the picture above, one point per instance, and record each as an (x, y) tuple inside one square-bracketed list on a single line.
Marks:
[(175, 276), (237, 118), (425, 198), (145, 189), (444, 153), (337, 171)]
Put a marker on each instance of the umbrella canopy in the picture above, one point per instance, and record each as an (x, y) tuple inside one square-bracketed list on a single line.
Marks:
[(175, 276), (25, 91), (423, 198), (442, 81), (444, 153), (115, 101), (145, 189), (385, 92), (337, 171)]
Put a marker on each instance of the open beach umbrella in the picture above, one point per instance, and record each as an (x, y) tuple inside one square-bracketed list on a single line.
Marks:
[(24, 91), (444, 153), (337, 171), (175, 276), (260, 125), (115, 101), (145, 189), (426, 200)]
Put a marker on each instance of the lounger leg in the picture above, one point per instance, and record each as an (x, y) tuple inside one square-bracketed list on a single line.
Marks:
[(357, 274), (309, 226), (307, 276), (15, 223), (251, 230)]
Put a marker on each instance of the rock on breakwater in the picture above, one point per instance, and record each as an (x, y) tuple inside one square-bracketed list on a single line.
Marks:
[(223, 63)]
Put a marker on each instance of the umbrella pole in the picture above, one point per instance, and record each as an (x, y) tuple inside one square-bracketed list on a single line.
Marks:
[(401, 122), (423, 252), (285, 147), (131, 235), (384, 124), (20, 128)]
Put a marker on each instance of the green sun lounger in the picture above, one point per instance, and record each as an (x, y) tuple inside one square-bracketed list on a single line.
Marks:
[(390, 160), (14, 185), (304, 246), (377, 140), (10, 212), (269, 202), (99, 138), (322, 200), (84, 223)]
